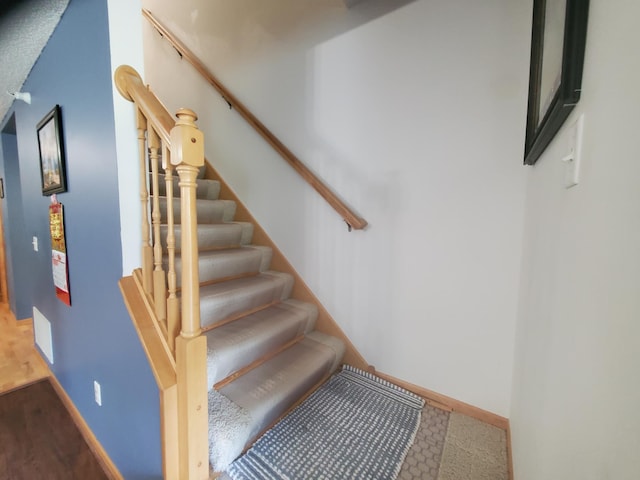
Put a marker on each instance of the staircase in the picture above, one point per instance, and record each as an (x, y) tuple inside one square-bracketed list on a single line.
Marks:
[(233, 343), (263, 353)]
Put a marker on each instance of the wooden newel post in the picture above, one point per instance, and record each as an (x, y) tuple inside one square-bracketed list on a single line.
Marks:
[(187, 154)]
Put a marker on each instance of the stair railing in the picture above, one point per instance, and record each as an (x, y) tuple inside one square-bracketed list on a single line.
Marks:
[(179, 146), (350, 217)]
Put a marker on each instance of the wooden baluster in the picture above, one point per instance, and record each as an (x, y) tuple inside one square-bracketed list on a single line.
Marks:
[(173, 304), (187, 153), (147, 253), (159, 286)]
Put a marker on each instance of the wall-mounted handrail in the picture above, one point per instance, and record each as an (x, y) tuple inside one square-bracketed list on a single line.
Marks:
[(352, 220)]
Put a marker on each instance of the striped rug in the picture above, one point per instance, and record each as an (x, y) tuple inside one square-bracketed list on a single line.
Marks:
[(356, 426)]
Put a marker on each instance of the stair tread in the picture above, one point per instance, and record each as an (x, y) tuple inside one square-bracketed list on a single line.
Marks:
[(229, 262), (205, 188), (215, 235), (237, 344), (207, 211), (258, 398), (226, 299)]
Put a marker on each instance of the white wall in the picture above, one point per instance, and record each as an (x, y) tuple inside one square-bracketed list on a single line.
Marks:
[(576, 386), (416, 118), (125, 41)]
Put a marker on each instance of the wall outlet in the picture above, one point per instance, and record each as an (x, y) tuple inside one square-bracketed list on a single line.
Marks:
[(34, 242), (97, 392)]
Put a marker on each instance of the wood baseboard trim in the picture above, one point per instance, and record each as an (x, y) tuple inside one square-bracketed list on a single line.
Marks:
[(450, 404), (101, 455), (24, 322), (509, 452)]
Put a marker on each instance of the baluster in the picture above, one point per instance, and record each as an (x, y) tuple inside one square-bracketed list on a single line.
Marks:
[(187, 153), (159, 287), (147, 254), (173, 305)]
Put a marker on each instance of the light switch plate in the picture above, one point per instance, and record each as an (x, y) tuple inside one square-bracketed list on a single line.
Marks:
[(573, 158), (97, 392)]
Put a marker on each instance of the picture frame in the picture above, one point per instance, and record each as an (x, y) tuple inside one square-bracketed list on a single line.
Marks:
[(51, 148), (558, 39)]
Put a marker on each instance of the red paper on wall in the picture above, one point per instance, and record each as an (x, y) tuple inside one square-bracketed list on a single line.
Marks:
[(59, 253)]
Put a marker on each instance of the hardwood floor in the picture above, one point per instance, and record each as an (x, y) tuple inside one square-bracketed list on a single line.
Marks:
[(20, 363)]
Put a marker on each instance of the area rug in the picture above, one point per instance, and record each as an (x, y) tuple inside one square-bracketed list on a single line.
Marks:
[(39, 439), (473, 450), (356, 426), (423, 460)]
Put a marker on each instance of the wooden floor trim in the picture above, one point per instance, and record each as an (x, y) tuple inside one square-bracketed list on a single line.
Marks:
[(24, 322), (509, 452), (101, 455), (449, 403)]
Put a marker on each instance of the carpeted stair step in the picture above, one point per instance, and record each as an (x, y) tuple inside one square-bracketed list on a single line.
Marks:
[(241, 410), (238, 344), (229, 299), (215, 235), (207, 211), (216, 265), (207, 189)]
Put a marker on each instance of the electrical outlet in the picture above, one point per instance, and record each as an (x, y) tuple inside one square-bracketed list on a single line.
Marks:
[(34, 242), (97, 392)]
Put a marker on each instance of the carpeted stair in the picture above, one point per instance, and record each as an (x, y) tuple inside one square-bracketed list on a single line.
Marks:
[(263, 352)]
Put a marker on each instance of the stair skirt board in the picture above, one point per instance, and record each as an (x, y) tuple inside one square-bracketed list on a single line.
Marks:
[(255, 400)]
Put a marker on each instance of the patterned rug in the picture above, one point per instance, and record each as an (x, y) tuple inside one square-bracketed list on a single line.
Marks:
[(356, 426)]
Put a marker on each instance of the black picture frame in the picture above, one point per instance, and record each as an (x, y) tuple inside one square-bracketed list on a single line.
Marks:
[(51, 148), (558, 41)]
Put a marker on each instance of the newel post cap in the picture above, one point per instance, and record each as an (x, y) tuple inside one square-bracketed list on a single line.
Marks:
[(187, 142)]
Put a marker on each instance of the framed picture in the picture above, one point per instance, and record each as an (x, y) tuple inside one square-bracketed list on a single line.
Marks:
[(52, 168), (557, 56)]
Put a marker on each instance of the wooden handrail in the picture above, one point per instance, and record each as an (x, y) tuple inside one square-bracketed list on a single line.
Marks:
[(131, 87), (352, 220)]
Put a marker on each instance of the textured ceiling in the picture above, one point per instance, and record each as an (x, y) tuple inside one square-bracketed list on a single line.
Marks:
[(25, 28)]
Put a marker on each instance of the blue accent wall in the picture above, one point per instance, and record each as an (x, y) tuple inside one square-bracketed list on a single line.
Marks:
[(93, 339), (17, 259)]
